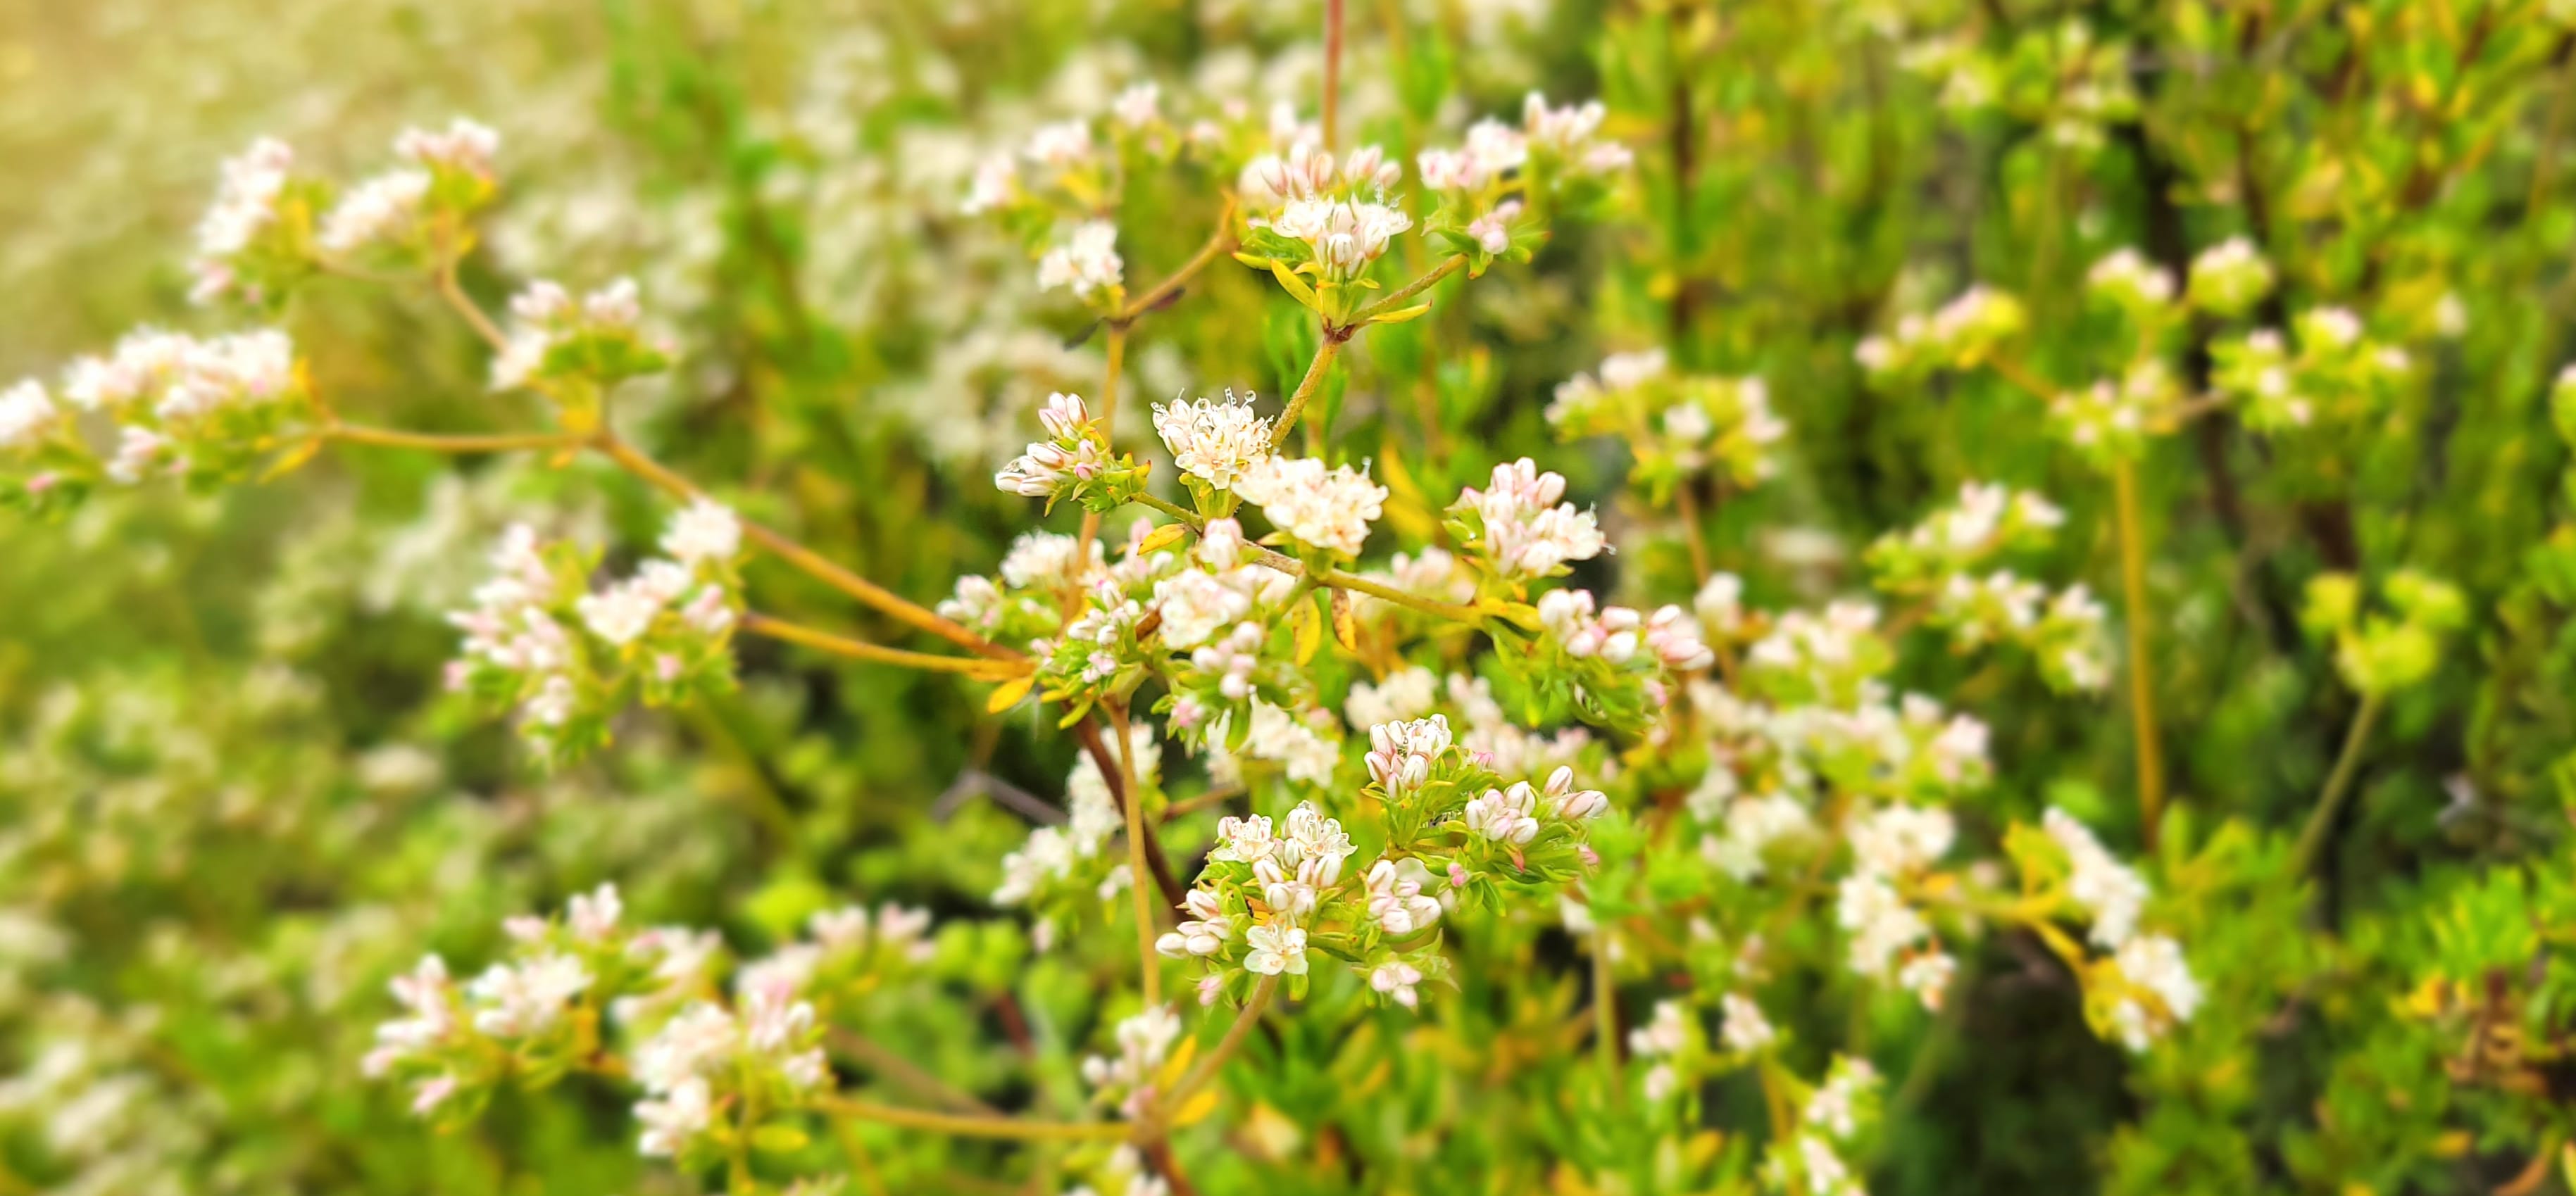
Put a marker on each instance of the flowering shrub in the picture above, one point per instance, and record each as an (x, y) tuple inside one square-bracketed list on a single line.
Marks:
[(1917, 597)]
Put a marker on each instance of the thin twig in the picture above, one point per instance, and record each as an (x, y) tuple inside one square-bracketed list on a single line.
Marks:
[(1324, 354), (877, 1058), (812, 563), (454, 294), (1149, 962), (1217, 245), (1395, 298), (2142, 683), (841, 645), (1205, 1069), (441, 442), (2312, 837), (969, 1126)]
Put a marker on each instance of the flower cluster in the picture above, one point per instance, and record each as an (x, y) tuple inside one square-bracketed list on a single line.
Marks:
[(2110, 421), (1074, 462), (414, 214), (1214, 444), (1484, 185), (2229, 278), (206, 410), (1818, 1160), (254, 239), (1318, 223), (1087, 264), (1518, 531), (2338, 372), (567, 657), (1325, 509), (587, 992), (575, 351), (2143, 987), (1061, 870), (1961, 335), (1939, 562), (1676, 426)]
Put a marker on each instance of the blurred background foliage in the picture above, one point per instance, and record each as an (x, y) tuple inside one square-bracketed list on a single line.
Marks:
[(233, 798)]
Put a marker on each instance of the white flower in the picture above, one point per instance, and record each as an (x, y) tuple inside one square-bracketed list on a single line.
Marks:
[(381, 209), (1396, 981), (2128, 276), (1402, 753), (2155, 962), (1047, 854), (2229, 277), (2103, 885), (1243, 840), (1047, 560), (553, 704), (1752, 825), (1493, 230), (1276, 947), (1664, 1035), (1396, 899), (1896, 840), (1144, 1041), (465, 146), (673, 1121), (1138, 106), (510, 1002), (25, 413), (1059, 145), (1746, 1030), (1720, 605), (695, 1042), (995, 179), (1527, 532), (1344, 236), (705, 530), (1329, 509), (1204, 933), (1880, 922), (1835, 1105), (1196, 606), (623, 612), (1407, 693), (1216, 442), (1087, 263), (1927, 976), (423, 993), (592, 917), (1313, 839), (245, 203), (1279, 736), (1502, 815), (1569, 132)]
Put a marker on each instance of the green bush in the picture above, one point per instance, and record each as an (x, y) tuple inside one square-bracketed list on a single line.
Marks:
[(1922, 596)]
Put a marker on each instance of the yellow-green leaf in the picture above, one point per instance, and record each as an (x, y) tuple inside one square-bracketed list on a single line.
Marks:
[(1160, 538), (778, 1138), (1009, 693), (1297, 287), (1401, 314), (1307, 629), (1177, 1065), (1196, 1109)]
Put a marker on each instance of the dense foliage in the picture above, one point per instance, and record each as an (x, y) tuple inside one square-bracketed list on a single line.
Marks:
[(1922, 596)]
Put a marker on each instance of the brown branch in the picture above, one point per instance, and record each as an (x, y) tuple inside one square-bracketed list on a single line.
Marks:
[(1096, 746)]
